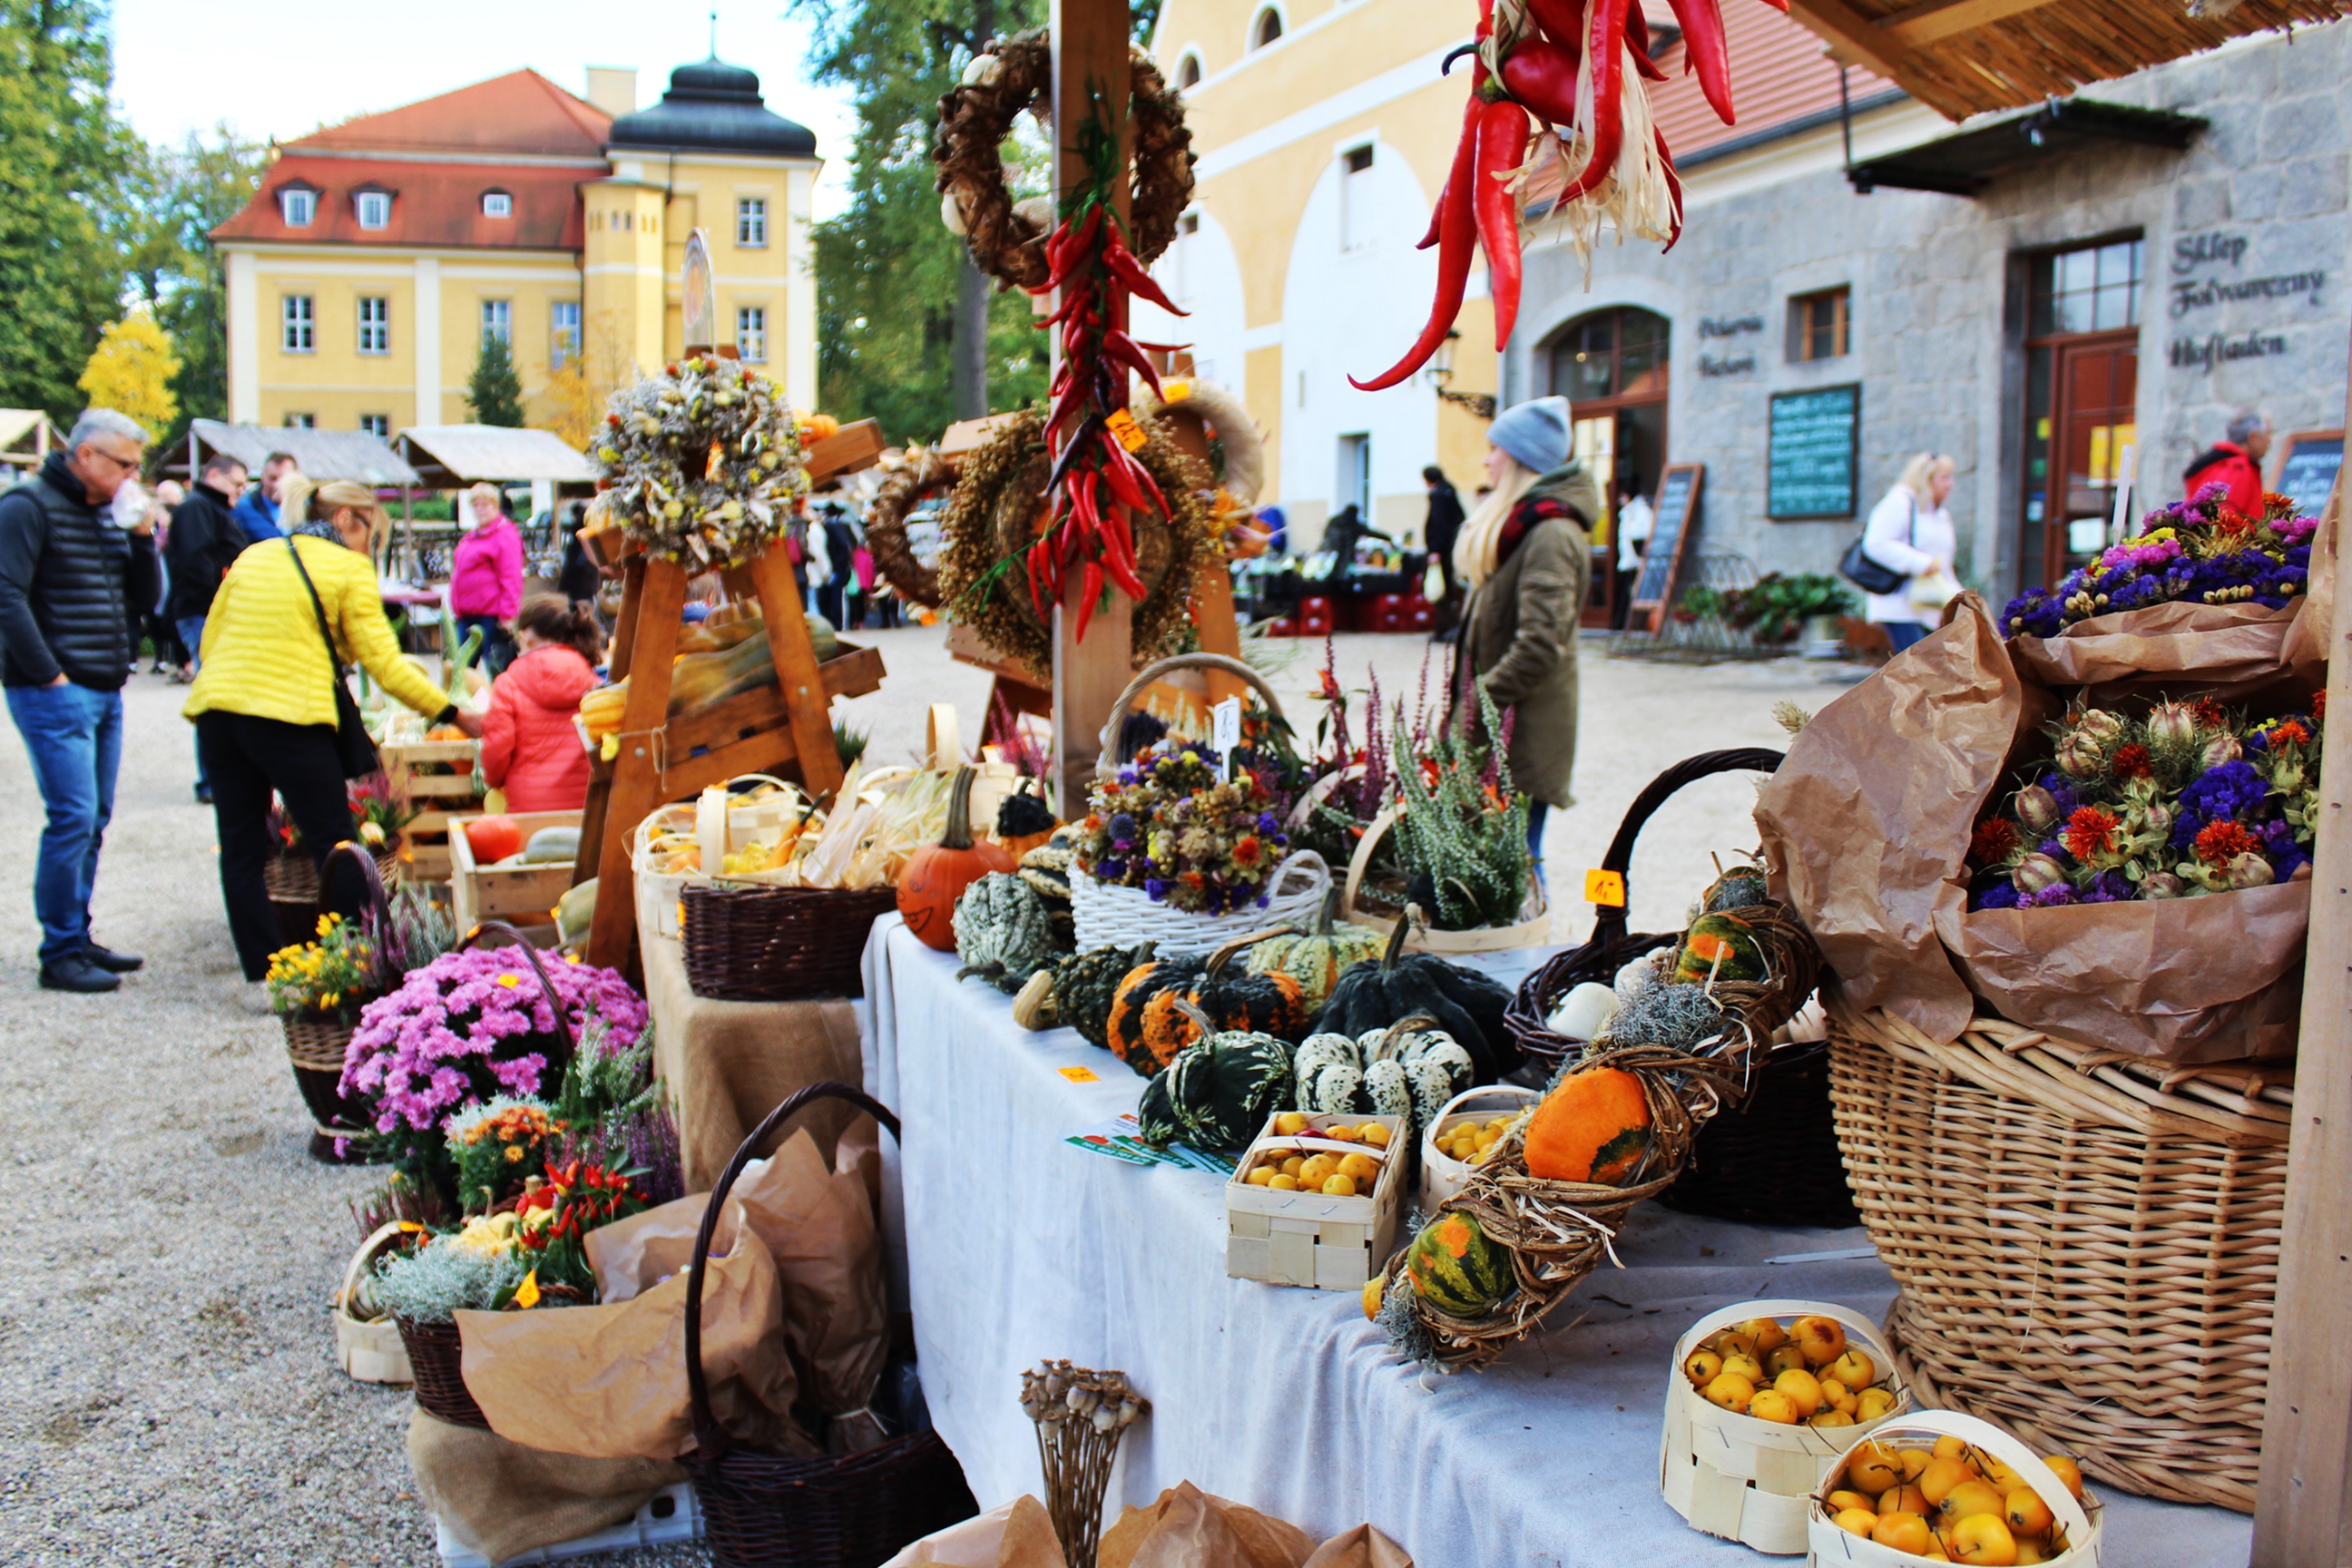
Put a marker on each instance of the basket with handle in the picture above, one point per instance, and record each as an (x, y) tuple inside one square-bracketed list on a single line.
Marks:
[(370, 1347), (1774, 1159), (1531, 930), (316, 1046), (1105, 915), (669, 827), (1830, 1545), (745, 944), (844, 1510), (1748, 1479), (436, 1366)]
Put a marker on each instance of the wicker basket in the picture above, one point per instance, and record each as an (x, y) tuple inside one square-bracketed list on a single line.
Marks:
[(437, 1362), (664, 892), (778, 944), (295, 896), (2086, 1243), (1774, 1159), (315, 1048), (850, 1511), (1532, 929)]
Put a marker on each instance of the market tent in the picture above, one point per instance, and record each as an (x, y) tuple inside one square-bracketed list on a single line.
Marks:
[(449, 456), (1964, 56), (27, 436), (321, 455)]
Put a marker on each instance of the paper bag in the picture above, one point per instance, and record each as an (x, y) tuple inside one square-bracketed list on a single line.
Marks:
[(1018, 1535), (1866, 827), (1188, 1528), (1362, 1547)]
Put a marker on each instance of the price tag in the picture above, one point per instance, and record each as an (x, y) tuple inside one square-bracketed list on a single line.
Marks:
[(1123, 427), (1226, 717), (1606, 888), (1079, 1075)]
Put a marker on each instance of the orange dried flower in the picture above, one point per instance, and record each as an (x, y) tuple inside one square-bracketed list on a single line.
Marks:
[(2090, 831), (2219, 842)]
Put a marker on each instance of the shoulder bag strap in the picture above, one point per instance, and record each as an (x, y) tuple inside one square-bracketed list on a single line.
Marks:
[(334, 659)]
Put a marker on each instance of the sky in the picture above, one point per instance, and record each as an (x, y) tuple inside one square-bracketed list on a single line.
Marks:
[(283, 67)]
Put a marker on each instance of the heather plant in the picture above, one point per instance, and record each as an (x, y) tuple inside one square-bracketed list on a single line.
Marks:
[(1462, 828)]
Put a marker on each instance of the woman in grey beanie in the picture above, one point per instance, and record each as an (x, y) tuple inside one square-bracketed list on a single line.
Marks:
[(1525, 558)]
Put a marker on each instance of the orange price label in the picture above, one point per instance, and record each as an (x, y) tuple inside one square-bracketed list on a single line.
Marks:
[(1122, 425), (1605, 887), (1079, 1075)]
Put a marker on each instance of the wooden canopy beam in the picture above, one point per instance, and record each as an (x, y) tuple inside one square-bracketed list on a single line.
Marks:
[(1933, 19), (1856, 40)]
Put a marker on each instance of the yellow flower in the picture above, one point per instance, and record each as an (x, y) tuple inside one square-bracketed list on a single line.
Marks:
[(514, 1153), (510, 981)]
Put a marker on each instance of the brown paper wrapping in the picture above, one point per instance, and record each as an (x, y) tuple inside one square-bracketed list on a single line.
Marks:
[(1188, 1528), (794, 1300), (1866, 827)]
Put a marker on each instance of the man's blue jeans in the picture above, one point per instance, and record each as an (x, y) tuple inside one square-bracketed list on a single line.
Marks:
[(74, 737), (192, 637)]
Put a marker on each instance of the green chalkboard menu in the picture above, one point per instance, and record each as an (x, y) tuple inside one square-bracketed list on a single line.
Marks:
[(2307, 471), (1815, 447)]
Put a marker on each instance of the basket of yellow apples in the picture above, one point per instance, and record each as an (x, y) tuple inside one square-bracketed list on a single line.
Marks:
[(1766, 1399), (1940, 1487)]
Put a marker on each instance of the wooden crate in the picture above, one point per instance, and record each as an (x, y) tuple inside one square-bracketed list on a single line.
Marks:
[(523, 895), (1307, 1238), (424, 842)]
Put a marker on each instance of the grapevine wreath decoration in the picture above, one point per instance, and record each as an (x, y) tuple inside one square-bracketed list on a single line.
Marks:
[(701, 463), (1010, 76), (993, 520), (886, 525)]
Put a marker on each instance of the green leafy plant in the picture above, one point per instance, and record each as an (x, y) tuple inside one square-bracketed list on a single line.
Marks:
[(1775, 607), (1462, 834)]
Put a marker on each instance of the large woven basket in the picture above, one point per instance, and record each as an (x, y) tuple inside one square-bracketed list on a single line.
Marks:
[(778, 944), (315, 1048), (2086, 1243), (848, 1510), (1773, 1160), (436, 1362)]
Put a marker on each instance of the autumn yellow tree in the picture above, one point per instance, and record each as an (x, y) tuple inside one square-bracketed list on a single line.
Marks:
[(131, 371)]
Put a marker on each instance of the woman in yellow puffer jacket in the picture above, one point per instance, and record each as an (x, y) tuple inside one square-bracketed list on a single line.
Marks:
[(264, 701)]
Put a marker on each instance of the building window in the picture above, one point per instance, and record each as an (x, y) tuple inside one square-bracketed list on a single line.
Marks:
[(1188, 72), (375, 324), (1266, 28), (301, 422), (1611, 354), (751, 221), (374, 209), (498, 321), (296, 324), (1356, 215), (376, 425), (298, 206), (496, 204), (1820, 325), (2092, 288), (563, 333), (752, 334)]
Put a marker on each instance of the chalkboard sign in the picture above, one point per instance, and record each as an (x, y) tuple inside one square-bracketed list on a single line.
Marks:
[(1677, 519), (2307, 468), (1816, 442)]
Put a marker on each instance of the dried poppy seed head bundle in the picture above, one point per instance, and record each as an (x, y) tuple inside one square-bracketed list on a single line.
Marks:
[(1079, 1414)]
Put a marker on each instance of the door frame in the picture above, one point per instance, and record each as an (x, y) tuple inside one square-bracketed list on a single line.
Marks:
[(2061, 347)]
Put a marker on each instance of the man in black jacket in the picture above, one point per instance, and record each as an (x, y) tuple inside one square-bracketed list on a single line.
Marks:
[(204, 543), (69, 576)]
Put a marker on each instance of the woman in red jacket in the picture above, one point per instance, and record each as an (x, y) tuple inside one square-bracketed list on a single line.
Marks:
[(530, 748)]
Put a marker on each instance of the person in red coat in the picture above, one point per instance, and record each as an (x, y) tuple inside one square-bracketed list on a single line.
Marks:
[(2236, 462), (530, 748)]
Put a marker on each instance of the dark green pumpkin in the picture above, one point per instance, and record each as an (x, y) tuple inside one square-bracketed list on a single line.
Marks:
[(1466, 1003), (1218, 1091), (1147, 1027), (1085, 983)]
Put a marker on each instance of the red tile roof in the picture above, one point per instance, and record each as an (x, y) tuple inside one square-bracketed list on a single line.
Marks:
[(521, 111), (1779, 74), (432, 203)]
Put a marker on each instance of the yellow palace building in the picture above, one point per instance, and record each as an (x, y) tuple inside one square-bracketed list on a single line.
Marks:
[(380, 254)]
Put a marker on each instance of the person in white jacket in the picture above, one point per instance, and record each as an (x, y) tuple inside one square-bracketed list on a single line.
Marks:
[(1909, 531)]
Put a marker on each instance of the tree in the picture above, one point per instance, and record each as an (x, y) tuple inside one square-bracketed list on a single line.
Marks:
[(495, 393), (172, 199), (132, 370), (62, 156), (580, 390)]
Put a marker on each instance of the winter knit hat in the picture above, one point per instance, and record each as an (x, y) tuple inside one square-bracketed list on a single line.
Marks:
[(1536, 433)]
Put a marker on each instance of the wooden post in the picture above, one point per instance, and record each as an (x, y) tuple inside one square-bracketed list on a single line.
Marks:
[(1091, 75), (2303, 1513), (635, 789)]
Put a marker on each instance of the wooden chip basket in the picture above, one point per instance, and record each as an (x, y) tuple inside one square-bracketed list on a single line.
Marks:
[(1308, 1238), (371, 1349), (1829, 1546)]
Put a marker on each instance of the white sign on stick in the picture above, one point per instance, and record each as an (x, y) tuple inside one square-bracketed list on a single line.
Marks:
[(1226, 717)]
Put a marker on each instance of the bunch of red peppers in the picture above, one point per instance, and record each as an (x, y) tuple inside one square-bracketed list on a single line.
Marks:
[(1089, 432), (1531, 54), (580, 1197)]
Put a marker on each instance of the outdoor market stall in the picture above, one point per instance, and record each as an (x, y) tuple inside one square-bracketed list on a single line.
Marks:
[(453, 456)]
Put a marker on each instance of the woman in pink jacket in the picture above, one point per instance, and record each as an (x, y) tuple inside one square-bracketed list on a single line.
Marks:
[(530, 748), (486, 579)]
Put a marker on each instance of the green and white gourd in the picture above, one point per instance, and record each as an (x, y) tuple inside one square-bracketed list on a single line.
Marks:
[(1003, 933), (1409, 1071)]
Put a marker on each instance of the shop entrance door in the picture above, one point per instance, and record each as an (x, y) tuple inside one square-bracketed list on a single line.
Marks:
[(2082, 395), (1612, 368)]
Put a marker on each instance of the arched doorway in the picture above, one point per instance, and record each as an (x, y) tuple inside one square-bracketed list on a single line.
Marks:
[(1613, 368)]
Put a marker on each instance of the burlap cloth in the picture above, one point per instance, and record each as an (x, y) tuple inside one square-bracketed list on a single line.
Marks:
[(502, 1498)]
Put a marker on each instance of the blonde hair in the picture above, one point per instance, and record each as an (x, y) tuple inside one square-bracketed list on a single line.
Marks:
[(315, 502), (1475, 547), (486, 490), (1918, 468)]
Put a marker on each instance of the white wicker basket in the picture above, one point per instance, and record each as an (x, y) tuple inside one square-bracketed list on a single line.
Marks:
[(1107, 915), (370, 1349), (662, 889)]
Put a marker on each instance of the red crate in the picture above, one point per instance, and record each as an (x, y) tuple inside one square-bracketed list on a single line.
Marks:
[(1314, 616), (1396, 613)]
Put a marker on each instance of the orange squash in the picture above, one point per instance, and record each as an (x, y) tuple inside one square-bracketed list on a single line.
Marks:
[(493, 838), (1594, 1127), (936, 874)]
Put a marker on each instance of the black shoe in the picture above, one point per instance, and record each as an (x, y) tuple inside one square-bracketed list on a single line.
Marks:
[(204, 795), (75, 973), (106, 958)]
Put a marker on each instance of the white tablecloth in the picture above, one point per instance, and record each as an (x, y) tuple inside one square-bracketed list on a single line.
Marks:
[(1020, 1247)]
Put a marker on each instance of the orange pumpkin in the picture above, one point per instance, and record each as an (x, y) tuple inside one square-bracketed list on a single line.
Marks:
[(1594, 1127), (936, 874), (493, 838)]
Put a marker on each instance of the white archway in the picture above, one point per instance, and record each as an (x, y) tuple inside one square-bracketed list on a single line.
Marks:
[(1202, 274)]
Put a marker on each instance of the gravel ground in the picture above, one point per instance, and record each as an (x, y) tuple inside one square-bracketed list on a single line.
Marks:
[(167, 1388)]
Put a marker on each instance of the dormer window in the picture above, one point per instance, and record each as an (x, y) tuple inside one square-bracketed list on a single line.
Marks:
[(496, 204), (375, 209), (297, 205)]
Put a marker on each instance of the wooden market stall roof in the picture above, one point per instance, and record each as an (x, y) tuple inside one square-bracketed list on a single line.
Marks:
[(1966, 57), (449, 456), (322, 455), (27, 436)]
